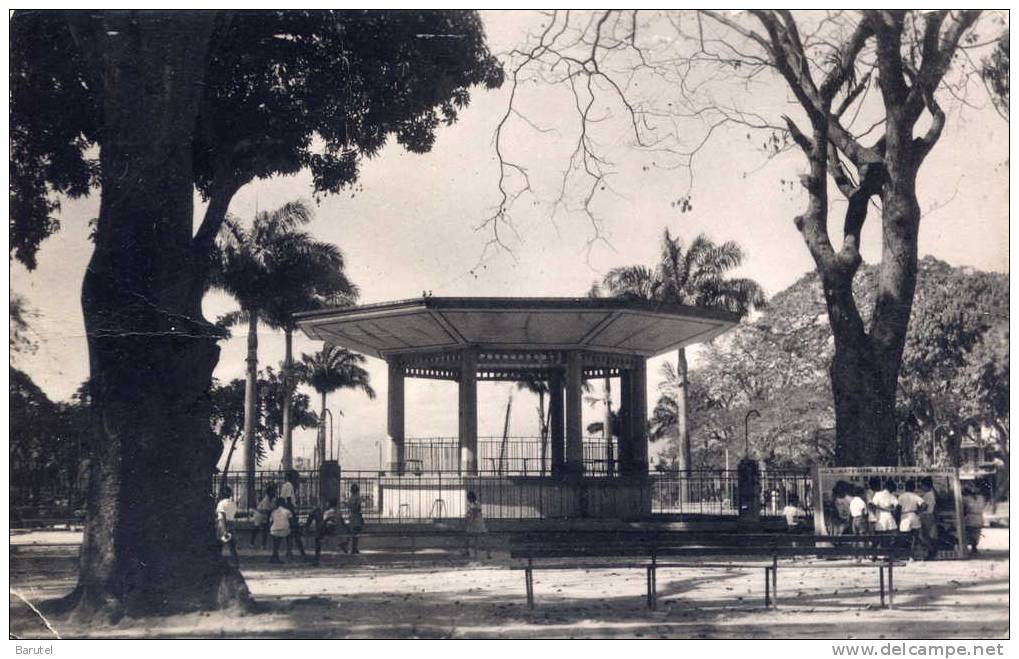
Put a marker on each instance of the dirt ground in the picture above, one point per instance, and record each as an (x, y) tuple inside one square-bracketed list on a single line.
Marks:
[(436, 594)]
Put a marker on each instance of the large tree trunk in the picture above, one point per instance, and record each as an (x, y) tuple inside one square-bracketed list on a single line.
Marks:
[(250, 404), (865, 367), (864, 410), (288, 395), (149, 544)]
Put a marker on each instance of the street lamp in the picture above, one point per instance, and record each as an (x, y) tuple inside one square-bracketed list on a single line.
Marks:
[(746, 432), (322, 457)]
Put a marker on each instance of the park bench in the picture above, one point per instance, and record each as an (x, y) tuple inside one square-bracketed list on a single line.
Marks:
[(646, 550)]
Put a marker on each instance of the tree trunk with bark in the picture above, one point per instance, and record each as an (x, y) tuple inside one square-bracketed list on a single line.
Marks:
[(865, 367), (151, 352), (250, 410)]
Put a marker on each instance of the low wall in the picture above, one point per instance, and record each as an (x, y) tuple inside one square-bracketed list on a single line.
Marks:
[(514, 498)]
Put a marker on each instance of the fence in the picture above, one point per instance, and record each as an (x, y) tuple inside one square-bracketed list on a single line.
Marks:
[(415, 497), (518, 456), (714, 492), (421, 497)]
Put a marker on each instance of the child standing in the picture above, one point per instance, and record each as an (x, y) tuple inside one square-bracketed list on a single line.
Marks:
[(858, 511), (262, 512), (928, 516), (327, 522), (841, 519), (873, 487), (973, 504), (289, 493), (884, 505), (475, 526), (910, 506), (226, 514), (279, 529), (793, 513), (860, 515), (356, 516)]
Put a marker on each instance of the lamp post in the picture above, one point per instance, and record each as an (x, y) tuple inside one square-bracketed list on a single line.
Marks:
[(746, 431), (322, 457), (748, 482)]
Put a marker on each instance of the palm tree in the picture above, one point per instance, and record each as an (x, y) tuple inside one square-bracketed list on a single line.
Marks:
[(693, 276), (307, 281), (540, 388), (330, 369), (271, 269)]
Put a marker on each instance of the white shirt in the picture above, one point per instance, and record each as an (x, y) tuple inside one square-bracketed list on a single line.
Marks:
[(857, 507), (287, 491), (868, 496), (886, 502), (793, 514), (227, 509), (909, 502), (280, 521)]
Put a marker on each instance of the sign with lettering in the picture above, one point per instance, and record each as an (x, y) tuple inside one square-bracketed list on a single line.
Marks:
[(942, 525)]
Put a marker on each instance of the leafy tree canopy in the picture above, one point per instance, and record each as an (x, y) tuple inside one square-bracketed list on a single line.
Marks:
[(955, 368), (228, 411), (283, 91), (335, 368), (274, 268), (48, 440)]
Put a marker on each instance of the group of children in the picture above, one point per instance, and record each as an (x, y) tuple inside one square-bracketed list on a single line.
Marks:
[(882, 507), (276, 517)]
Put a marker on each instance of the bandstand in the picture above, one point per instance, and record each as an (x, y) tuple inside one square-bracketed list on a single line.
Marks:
[(559, 341)]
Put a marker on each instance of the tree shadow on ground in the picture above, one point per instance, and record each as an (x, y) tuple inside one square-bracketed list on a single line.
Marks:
[(500, 611)]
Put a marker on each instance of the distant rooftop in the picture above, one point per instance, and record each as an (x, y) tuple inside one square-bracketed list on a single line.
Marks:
[(428, 324)]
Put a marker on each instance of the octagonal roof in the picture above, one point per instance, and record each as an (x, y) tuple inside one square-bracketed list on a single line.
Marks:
[(431, 324)]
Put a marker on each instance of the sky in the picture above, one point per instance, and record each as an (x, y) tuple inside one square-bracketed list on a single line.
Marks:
[(413, 226)]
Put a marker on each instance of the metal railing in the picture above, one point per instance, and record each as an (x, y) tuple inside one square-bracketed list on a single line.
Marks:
[(520, 456), (715, 492), (389, 497)]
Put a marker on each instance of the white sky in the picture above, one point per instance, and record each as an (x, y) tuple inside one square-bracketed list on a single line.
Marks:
[(412, 228)]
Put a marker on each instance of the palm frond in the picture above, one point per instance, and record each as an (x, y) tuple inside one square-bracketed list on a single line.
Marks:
[(695, 275), (635, 281), (275, 269), (335, 368), (535, 386)]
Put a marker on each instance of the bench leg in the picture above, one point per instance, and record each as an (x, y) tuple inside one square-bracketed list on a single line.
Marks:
[(774, 586), (881, 582), (529, 584), (767, 587), (891, 587), (652, 588)]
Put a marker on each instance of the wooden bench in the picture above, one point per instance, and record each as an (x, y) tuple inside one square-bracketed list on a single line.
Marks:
[(643, 550)]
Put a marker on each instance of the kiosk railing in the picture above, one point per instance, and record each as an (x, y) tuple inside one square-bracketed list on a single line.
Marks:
[(392, 497)]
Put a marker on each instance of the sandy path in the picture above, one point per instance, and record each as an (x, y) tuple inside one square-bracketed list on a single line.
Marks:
[(436, 595)]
